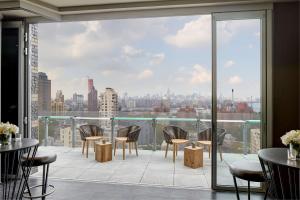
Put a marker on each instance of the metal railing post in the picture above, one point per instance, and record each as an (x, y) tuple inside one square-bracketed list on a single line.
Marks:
[(154, 134), (245, 138), (73, 131), (112, 131), (46, 131)]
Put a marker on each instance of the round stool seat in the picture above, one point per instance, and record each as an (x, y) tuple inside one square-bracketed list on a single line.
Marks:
[(247, 170), (39, 159)]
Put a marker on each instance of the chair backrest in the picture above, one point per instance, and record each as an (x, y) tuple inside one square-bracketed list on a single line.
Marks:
[(90, 130), (133, 133), (206, 135), (174, 132)]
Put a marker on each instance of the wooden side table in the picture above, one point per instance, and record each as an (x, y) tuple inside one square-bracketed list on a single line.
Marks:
[(177, 142), (103, 152), (193, 157), (91, 139)]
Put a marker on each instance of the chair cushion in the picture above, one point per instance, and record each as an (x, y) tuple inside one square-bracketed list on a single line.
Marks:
[(39, 159), (247, 170)]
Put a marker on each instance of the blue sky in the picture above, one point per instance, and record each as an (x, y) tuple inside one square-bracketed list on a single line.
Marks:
[(141, 56)]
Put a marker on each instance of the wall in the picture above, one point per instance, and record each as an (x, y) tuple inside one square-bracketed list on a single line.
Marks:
[(286, 69)]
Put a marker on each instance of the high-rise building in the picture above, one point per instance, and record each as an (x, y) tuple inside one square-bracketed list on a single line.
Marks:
[(108, 105), (90, 84), (66, 137), (77, 102), (57, 105), (92, 96), (44, 92), (33, 64)]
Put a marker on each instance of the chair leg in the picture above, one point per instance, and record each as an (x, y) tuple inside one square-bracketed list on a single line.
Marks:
[(115, 148), (136, 150), (208, 151), (220, 152), (83, 146), (46, 182), (236, 188), (167, 148), (123, 145), (176, 149), (248, 190), (129, 147), (87, 149)]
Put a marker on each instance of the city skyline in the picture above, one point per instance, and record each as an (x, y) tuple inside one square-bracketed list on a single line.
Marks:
[(129, 61)]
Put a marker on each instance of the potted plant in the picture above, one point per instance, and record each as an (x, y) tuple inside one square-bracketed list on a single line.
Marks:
[(292, 138), (7, 130)]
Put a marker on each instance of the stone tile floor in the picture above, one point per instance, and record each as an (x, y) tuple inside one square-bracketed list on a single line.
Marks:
[(149, 168)]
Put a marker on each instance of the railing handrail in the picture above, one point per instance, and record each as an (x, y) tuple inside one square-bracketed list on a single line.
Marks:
[(150, 119)]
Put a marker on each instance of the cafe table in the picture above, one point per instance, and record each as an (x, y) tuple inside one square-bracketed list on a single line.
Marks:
[(282, 174), (14, 177)]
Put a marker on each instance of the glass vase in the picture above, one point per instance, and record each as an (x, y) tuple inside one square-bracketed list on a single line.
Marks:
[(294, 152), (4, 139)]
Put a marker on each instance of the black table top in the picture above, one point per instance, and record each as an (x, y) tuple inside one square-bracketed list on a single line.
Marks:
[(18, 145), (278, 156)]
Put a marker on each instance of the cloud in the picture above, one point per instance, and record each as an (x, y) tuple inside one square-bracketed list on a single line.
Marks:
[(147, 73), (193, 34), (200, 75), (157, 59), (229, 63), (234, 80), (129, 51), (228, 29)]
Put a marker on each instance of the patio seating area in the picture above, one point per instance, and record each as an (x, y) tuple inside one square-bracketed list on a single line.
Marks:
[(149, 168)]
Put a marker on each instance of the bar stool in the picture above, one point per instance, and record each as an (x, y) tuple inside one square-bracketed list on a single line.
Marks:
[(40, 159), (249, 171)]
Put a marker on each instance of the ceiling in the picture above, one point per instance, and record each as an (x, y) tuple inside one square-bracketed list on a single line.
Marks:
[(64, 10)]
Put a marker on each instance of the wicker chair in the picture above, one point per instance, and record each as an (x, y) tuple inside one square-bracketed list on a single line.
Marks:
[(205, 135), (128, 135), (88, 131), (173, 132)]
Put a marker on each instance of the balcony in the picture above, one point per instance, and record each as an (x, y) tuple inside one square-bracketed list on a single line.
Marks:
[(150, 167)]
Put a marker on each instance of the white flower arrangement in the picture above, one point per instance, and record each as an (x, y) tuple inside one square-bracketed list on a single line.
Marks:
[(8, 128), (291, 137)]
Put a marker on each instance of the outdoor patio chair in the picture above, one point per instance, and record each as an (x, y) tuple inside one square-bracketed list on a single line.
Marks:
[(204, 138), (173, 132), (128, 135), (89, 131)]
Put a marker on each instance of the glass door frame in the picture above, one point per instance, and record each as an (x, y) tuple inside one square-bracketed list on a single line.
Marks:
[(22, 123), (265, 80)]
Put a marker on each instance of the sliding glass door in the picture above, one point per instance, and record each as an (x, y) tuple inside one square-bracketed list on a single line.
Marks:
[(238, 91)]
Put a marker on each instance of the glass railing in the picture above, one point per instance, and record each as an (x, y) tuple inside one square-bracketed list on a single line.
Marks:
[(243, 136)]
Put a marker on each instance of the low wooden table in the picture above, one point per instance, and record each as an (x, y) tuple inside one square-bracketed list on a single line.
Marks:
[(193, 157), (177, 142), (206, 143), (103, 152), (123, 141), (91, 139)]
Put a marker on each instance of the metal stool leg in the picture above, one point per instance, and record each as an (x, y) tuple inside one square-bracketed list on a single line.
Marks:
[(45, 182), (236, 188), (248, 190)]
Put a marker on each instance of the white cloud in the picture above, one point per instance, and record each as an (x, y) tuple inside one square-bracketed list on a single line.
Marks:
[(147, 73), (257, 34), (234, 80), (200, 75), (229, 63), (194, 33), (92, 25), (157, 59), (228, 29), (250, 46), (129, 51)]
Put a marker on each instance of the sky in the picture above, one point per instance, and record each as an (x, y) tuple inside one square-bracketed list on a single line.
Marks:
[(151, 55)]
